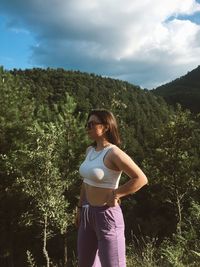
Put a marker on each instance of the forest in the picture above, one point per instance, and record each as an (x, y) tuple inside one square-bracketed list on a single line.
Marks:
[(183, 90), (42, 143)]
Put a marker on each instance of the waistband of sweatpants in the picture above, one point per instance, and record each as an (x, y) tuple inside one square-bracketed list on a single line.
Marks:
[(86, 204)]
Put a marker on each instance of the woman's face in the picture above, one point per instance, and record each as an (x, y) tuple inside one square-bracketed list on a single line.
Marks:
[(95, 128)]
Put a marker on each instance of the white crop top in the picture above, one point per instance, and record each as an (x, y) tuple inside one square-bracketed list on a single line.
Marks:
[(94, 171)]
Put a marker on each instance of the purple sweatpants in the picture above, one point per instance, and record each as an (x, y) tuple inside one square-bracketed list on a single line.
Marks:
[(101, 241)]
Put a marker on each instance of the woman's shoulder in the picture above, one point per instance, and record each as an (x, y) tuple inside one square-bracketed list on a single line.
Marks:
[(116, 151), (120, 157)]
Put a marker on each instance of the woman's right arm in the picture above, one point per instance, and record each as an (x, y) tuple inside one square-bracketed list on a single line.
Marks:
[(79, 206), (82, 196), (81, 199)]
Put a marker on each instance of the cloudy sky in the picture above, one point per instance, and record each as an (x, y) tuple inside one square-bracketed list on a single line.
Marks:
[(145, 42)]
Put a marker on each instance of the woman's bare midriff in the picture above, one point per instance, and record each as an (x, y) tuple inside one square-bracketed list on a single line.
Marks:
[(97, 196)]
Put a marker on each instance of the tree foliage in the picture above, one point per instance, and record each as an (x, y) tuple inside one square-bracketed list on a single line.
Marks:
[(184, 90), (43, 141)]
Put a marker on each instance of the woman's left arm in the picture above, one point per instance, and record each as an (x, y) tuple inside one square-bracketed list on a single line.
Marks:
[(137, 178)]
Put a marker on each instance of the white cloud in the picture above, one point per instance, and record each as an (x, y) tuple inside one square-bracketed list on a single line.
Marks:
[(142, 41)]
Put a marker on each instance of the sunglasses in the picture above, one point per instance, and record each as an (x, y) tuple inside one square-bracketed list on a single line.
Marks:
[(92, 124)]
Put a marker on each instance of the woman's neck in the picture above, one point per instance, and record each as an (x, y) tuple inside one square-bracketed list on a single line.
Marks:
[(101, 144)]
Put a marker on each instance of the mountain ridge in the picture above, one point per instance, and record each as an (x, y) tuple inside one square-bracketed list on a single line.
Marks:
[(184, 90)]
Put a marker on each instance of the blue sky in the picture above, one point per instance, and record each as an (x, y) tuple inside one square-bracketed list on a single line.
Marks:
[(15, 46), (147, 43)]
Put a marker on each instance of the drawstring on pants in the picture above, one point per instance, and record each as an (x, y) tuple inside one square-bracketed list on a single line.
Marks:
[(86, 214)]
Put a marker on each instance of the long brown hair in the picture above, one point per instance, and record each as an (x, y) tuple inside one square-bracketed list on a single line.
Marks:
[(107, 118)]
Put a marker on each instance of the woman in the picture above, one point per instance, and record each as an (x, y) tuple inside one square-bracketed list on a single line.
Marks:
[(101, 240)]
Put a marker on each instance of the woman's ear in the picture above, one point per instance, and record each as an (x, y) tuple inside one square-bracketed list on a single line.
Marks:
[(106, 128)]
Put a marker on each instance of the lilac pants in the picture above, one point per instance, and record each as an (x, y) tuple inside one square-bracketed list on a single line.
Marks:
[(101, 241)]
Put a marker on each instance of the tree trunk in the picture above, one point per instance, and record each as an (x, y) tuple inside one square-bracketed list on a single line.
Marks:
[(178, 203), (65, 250), (45, 252)]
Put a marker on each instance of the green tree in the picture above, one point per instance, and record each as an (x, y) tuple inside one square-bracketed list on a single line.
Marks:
[(41, 146), (40, 179), (16, 114), (174, 163)]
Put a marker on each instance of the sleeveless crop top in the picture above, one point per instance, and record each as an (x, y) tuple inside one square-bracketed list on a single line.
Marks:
[(94, 171)]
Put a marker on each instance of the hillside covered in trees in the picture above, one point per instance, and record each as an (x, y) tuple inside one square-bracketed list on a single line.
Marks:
[(43, 141), (139, 111), (184, 90)]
